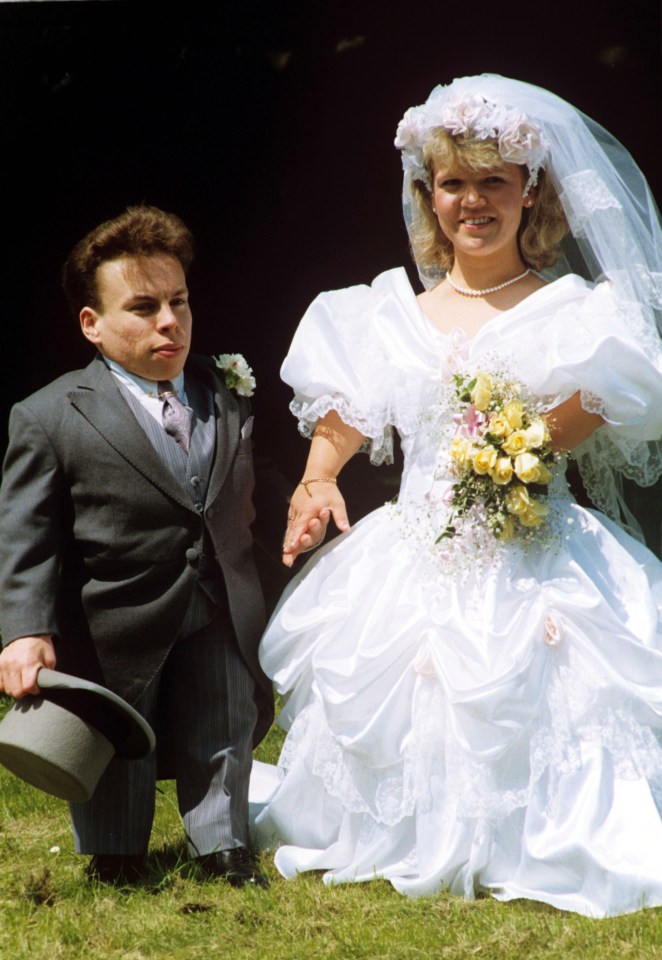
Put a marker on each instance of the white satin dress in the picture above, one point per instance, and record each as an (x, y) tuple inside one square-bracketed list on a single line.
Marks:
[(492, 721)]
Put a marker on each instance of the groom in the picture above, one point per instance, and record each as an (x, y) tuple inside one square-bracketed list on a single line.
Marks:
[(126, 548)]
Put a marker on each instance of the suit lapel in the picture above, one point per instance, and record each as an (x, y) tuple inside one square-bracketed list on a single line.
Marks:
[(99, 400), (227, 424)]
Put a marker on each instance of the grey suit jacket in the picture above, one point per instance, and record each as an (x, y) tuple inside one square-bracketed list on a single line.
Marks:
[(98, 543)]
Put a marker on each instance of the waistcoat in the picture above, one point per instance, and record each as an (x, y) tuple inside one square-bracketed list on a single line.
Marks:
[(192, 472)]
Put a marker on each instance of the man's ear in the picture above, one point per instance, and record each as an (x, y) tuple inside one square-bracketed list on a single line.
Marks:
[(88, 324)]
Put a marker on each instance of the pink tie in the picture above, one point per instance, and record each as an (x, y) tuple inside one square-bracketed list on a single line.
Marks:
[(177, 419)]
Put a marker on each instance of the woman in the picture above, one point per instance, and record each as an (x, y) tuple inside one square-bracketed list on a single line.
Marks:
[(473, 680)]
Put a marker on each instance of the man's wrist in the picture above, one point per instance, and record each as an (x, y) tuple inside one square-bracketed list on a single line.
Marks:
[(29, 636)]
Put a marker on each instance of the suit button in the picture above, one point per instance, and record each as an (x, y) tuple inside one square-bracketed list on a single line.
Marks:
[(195, 481), (200, 507), (192, 555)]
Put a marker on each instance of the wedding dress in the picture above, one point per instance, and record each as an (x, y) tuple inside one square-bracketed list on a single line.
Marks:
[(477, 716)]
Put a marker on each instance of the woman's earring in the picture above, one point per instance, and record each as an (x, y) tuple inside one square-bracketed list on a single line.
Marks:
[(528, 202)]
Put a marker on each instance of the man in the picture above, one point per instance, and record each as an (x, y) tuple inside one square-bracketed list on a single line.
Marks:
[(126, 548)]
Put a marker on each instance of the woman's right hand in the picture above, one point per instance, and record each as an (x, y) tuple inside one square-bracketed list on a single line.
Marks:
[(317, 497), (311, 507)]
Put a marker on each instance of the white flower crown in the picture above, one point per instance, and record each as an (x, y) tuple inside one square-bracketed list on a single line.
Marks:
[(519, 140)]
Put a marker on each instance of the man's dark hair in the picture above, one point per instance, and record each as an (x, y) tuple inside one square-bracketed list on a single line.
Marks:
[(141, 231)]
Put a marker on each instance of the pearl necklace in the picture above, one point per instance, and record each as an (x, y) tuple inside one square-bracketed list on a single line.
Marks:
[(481, 293)]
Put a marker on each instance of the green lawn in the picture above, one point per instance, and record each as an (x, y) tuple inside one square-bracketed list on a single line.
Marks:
[(48, 910)]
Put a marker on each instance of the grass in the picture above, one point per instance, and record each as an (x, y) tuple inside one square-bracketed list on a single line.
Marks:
[(47, 909)]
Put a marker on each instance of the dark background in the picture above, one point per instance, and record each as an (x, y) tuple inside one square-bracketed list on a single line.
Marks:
[(268, 128)]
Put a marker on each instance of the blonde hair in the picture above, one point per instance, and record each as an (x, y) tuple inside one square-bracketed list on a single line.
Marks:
[(543, 225)]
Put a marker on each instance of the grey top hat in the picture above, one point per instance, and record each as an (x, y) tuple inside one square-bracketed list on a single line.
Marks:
[(62, 741)]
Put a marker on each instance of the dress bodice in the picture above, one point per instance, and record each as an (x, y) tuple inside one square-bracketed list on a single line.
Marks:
[(371, 354)]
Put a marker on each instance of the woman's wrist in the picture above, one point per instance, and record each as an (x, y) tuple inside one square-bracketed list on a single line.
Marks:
[(317, 479), (307, 481)]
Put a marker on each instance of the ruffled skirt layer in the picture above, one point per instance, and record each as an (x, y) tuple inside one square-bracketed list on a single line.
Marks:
[(494, 733)]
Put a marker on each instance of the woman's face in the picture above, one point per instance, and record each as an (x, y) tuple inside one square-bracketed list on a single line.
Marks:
[(480, 211)]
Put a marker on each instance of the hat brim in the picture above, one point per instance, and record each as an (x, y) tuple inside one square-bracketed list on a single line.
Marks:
[(129, 732), (52, 749)]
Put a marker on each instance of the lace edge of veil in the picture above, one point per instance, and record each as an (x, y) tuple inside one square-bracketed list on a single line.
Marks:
[(605, 459)]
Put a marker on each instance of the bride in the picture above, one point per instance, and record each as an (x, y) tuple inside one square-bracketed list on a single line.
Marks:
[(472, 676)]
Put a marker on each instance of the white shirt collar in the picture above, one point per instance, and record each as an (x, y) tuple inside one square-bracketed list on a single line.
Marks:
[(149, 387)]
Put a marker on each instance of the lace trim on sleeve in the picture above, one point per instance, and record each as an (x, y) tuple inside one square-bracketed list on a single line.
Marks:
[(592, 404), (371, 423), (608, 456)]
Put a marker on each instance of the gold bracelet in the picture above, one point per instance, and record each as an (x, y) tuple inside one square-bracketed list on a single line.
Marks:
[(304, 483)]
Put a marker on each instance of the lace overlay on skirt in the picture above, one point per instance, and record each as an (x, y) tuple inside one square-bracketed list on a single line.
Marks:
[(434, 770)]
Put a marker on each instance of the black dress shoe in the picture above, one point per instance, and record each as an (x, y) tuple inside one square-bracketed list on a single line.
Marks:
[(237, 865), (120, 869)]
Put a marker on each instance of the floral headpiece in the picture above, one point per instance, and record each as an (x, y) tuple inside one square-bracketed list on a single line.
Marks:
[(519, 140)]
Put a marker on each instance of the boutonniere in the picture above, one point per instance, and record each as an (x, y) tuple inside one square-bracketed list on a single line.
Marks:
[(236, 373)]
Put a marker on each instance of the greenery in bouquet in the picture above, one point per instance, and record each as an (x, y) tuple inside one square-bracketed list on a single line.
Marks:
[(502, 456)]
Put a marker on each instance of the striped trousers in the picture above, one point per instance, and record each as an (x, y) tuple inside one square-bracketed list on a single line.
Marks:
[(205, 692)]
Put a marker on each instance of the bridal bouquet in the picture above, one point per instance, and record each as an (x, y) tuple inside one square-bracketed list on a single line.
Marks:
[(502, 456)]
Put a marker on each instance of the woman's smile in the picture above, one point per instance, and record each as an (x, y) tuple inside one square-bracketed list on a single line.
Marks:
[(482, 205)]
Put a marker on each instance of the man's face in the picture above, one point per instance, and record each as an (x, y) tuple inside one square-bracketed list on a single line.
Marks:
[(143, 321)]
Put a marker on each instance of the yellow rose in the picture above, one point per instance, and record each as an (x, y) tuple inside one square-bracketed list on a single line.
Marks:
[(529, 511), (481, 393), (534, 514), (530, 469), (544, 474), (484, 460), (462, 451), (536, 434), (499, 426), (517, 500), (502, 471), (513, 414), (516, 443), (507, 531)]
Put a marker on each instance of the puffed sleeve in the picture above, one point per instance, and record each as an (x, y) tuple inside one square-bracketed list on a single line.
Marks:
[(336, 362), (601, 347)]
